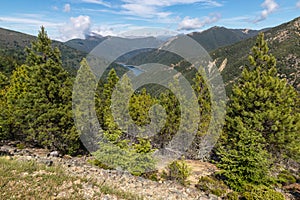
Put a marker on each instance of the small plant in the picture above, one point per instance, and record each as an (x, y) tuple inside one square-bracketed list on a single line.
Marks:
[(178, 171), (212, 185), (232, 196), (286, 178), (98, 164), (152, 175), (261, 192), (20, 146)]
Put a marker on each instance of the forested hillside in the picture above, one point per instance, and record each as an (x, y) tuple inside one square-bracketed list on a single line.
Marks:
[(12, 45), (284, 44)]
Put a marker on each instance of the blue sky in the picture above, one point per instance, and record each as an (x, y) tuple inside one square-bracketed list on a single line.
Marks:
[(67, 19)]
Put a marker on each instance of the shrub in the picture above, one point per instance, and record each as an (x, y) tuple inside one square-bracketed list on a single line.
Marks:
[(21, 146), (178, 171), (261, 192), (99, 164), (212, 185), (286, 178), (126, 159), (232, 196), (152, 175)]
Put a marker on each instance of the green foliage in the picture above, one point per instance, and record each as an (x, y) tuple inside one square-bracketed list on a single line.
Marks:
[(125, 159), (177, 170), (40, 101), (260, 192), (20, 146), (4, 82), (212, 185), (232, 196), (99, 164), (262, 120), (204, 101), (140, 105), (120, 148), (172, 107), (286, 178), (285, 49)]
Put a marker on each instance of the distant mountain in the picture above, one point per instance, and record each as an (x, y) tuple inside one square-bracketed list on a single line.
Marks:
[(217, 37), (13, 43), (87, 44), (210, 39), (283, 40), (284, 44), (91, 41)]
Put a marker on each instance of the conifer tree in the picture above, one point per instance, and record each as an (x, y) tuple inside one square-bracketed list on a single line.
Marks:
[(262, 121), (83, 105), (119, 148), (44, 102), (140, 105), (204, 102), (4, 131)]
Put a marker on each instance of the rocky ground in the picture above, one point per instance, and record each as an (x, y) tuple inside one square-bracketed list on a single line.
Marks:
[(79, 167), (144, 188)]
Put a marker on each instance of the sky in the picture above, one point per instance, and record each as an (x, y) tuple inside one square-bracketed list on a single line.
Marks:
[(69, 19)]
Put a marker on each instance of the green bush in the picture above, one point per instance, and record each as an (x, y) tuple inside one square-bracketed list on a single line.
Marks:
[(232, 196), (178, 171), (212, 185), (126, 159), (286, 178), (21, 146), (98, 164), (152, 175), (261, 192)]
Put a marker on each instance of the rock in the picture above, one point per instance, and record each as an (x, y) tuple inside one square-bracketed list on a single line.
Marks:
[(67, 157), (54, 154), (213, 197), (47, 162), (5, 151)]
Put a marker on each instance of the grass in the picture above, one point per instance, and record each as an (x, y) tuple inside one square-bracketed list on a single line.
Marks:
[(31, 180)]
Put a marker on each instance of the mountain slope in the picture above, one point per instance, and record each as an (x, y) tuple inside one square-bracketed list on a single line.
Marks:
[(210, 39), (284, 44), (86, 45), (217, 37), (12, 45)]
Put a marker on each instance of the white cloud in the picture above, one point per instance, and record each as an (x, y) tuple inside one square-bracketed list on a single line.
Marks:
[(195, 23), (143, 11), (109, 29), (99, 2), (269, 6), (28, 21), (77, 27), (298, 4), (67, 8), (163, 3), (154, 8)]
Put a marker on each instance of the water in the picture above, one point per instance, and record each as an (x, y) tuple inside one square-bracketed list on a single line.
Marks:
[(136, 71)]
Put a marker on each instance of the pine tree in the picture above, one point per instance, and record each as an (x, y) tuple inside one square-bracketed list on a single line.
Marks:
[(140, 105), (262, 121), (119, 147), (16, 111), (196, 150), (4, 131), (44, 98), (83, 105)]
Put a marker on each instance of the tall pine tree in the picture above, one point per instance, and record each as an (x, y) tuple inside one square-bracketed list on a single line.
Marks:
[(44, 102), (262, 121)]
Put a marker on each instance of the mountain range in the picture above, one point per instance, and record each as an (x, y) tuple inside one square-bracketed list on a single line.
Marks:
[(229, 47)]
